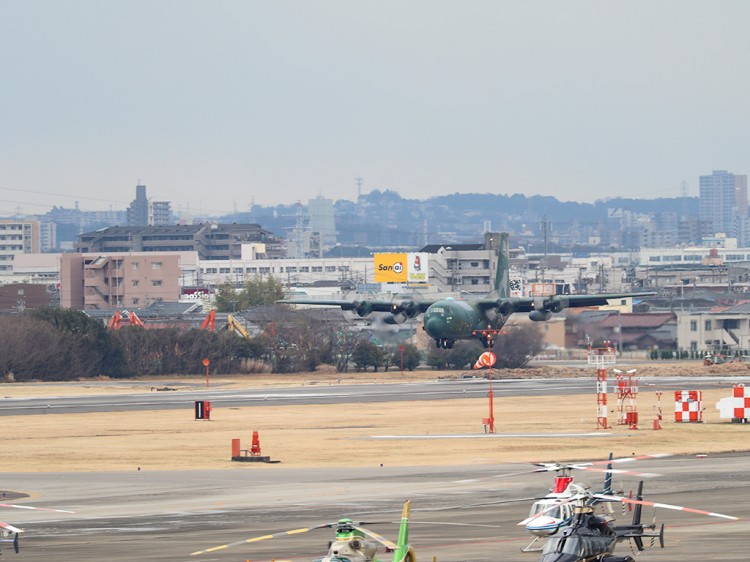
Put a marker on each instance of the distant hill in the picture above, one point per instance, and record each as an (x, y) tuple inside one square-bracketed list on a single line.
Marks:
[(384, 219)]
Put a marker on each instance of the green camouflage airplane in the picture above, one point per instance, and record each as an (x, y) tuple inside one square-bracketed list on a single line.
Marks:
[(447, 320)]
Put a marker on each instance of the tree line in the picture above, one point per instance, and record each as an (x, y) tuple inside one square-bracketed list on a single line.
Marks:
[(64, 344)]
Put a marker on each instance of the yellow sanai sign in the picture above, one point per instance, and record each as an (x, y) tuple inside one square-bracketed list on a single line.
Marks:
[(390, 268)]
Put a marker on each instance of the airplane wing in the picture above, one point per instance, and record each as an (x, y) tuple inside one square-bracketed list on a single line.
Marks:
[(364, 307), (539, 308), (554, 303)]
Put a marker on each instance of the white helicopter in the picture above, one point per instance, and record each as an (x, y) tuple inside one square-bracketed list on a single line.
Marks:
[(555, 510), (589, 537), (10, 533)]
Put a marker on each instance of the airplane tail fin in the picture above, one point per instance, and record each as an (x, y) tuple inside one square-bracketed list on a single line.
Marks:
[(502, 280), (404, 552)]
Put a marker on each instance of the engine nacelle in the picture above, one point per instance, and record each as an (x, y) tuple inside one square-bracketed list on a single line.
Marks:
[(540, 315), (506, 308), (362, 308), (557, 304), (398, 318), (408, 309)]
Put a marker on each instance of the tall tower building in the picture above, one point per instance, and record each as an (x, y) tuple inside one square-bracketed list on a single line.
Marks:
[(322, 221), (723, 200), (160, 213), (138, 209)]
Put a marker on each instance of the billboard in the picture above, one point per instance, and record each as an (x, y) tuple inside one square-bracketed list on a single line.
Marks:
[(402, 268)]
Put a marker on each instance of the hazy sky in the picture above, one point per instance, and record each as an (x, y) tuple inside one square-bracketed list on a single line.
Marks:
[(214, 104)]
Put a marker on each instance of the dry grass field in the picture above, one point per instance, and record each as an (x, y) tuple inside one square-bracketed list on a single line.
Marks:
[(341, 435)]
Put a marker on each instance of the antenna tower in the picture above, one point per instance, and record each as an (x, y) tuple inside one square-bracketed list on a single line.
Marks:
[(546, 226), (359, 181)]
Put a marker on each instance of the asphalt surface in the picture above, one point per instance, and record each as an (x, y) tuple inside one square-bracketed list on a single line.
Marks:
[(457, 512), (332, 394)]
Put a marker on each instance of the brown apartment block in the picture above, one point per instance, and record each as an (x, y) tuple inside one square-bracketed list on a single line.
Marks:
[(105, 281)]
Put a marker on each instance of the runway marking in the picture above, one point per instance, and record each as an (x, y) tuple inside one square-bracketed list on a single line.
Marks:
[(490, 435)]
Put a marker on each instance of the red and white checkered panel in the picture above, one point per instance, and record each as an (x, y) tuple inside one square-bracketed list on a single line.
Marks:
[(738, 406), (688, 406)]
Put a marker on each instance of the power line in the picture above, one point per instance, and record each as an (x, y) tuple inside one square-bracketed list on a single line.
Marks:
[(74, 197)]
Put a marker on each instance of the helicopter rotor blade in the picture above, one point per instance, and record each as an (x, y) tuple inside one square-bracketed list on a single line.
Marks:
[(261, 538), (10, 528), (634, 458), (665, 506), (375, 536), (35, 508)]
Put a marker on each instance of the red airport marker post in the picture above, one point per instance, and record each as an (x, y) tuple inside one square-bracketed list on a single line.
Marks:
[(206, 362), (489, 335)]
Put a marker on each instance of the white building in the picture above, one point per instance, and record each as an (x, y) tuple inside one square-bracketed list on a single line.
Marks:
[(17, 237)]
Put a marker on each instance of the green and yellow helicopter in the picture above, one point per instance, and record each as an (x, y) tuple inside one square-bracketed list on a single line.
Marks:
[(352, 542)]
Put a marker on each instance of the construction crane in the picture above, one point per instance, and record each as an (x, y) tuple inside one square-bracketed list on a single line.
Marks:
[(235, 326)]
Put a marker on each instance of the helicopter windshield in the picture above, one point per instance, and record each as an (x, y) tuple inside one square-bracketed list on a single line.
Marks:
[(541, 506)]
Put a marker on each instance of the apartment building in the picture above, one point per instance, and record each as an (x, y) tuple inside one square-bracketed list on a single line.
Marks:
[(105, 281), (211, 241), (17, 237)]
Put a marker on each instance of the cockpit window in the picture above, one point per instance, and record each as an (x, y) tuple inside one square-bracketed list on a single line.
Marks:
[(541, 506)]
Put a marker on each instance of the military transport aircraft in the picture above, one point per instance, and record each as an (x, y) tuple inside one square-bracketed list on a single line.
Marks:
[(447, 320)]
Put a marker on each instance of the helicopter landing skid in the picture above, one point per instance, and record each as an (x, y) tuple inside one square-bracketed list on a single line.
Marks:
[(531, 548)]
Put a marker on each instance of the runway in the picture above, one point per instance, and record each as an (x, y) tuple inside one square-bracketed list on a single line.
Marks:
[(456, 511), (184, 397)]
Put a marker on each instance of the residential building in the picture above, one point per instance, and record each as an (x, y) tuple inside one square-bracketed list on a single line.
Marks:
[(211, 241), (105, 281), (160, 213), (17, 237), (722, 329), (626, 331), (17, 297), (722, 200), (138, 210)]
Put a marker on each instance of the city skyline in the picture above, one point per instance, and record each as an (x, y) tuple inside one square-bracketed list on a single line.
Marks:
[(214, 106)]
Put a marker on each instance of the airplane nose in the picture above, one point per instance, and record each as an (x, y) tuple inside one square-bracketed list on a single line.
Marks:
[(433, 326)]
